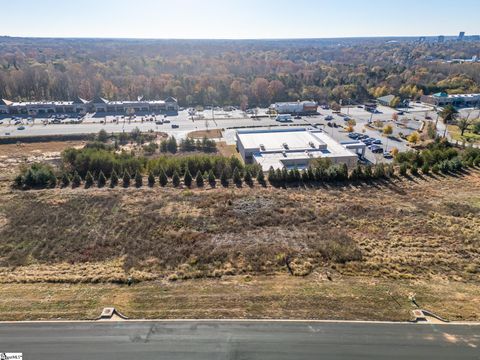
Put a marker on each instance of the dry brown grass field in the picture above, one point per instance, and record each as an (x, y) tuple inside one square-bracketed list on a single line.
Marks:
[(329, 252)]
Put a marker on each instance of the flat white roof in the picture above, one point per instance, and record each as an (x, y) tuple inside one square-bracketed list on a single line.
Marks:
[(273, 140), (302, 143)]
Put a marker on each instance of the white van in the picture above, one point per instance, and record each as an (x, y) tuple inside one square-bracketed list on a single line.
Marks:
[(284, 118)]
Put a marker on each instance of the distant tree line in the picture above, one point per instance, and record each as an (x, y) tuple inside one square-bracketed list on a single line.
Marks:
[(241, 73)]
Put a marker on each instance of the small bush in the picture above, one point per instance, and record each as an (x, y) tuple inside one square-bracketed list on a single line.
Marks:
[(403, 169), (37, 176)]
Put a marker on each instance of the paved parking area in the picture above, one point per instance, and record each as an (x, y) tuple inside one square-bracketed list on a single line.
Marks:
[(183, 123)]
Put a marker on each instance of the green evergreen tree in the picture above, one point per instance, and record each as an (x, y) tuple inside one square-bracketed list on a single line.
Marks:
[(304, 177), (357, 173), (272, 176), (414, 170), (390, 170), (211, 178), (261, 177), (126, 179), (248, 178), (113, 179), (138, 179), (162, 178), (176, 179), (224, 178), (102, 180), (187, 179), (76, 180), (65, 179), (379, 171), (151, 179), (88, 180), (237, 179), (368, 172), (425, 168), (199, 179)]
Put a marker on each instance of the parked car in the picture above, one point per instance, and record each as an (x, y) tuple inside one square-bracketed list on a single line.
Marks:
[(175, 126), (377, 149), (400, 113), (298, 117), (377, 142), (17, 122), (353, 136), (387, 155), (166, 121), (329, 117), (21, 128), (347, 118), (159, 122)]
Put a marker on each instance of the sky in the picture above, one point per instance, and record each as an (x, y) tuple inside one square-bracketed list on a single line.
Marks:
[(237, 19)]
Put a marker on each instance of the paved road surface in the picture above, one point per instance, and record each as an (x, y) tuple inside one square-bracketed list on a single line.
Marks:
[(239, 340)]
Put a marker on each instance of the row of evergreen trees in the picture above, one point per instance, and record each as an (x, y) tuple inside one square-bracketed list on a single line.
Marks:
[(329, 174), (200, 179)]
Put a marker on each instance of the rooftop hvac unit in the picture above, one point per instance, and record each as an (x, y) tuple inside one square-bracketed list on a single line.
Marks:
[(262, 147), (285, 145), (284, 153), (312, 145)]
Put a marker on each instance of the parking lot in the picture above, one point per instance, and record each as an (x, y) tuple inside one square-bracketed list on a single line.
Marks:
[(183, 123)]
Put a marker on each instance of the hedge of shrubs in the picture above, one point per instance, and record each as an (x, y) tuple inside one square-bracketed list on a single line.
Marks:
[(438, 157)]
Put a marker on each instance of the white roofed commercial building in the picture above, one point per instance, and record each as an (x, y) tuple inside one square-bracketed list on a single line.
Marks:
[(300, 107), (292, 148)]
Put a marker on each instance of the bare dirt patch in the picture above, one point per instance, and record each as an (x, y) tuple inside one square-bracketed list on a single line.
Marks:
[(209, 134)]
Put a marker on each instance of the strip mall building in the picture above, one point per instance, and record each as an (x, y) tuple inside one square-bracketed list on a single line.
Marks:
[(82, 106)]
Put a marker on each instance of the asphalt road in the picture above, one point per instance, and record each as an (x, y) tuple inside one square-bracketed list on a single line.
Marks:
[(239, 340)]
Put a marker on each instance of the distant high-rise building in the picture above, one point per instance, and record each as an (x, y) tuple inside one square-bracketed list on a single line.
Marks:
[(422, 39), (441, 39), (461, 35)]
